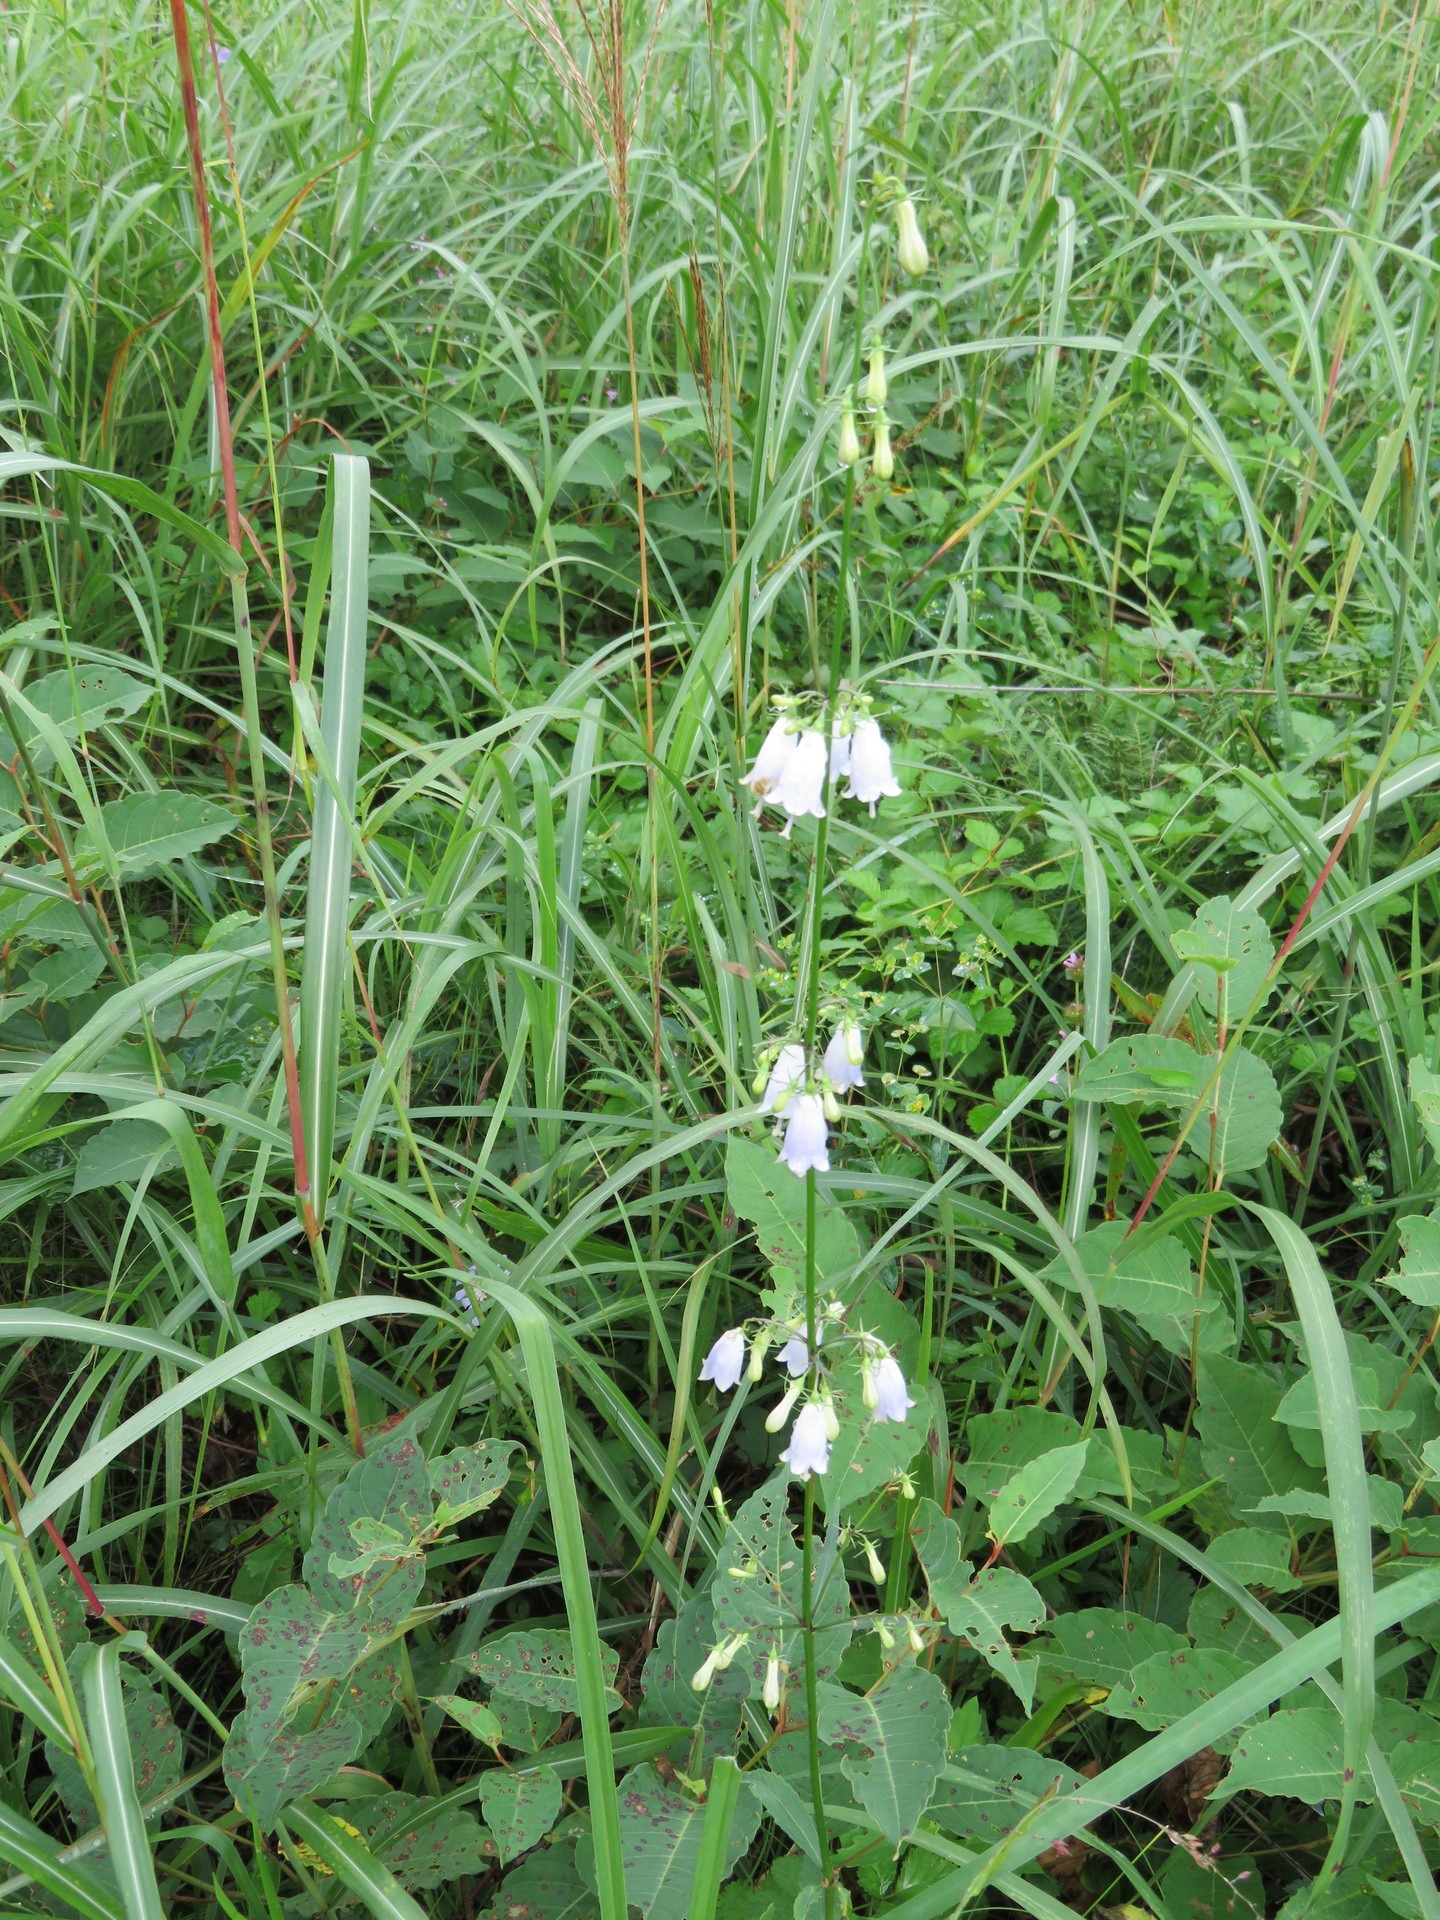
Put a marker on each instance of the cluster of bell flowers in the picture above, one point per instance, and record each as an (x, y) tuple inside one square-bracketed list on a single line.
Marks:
[(792, 768), (817, 1425), (805, 1096)]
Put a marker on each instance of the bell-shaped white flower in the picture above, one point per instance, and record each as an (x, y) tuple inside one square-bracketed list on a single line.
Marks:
[(794, 1356), (848, 446), (910, 245), (843, 1056), (725, 1361), (786, 1075), (872, 777), (809, 1448), (803, 1147), (774, 756), (891, 1398), (839, 752), (801, 786), (882, 461)]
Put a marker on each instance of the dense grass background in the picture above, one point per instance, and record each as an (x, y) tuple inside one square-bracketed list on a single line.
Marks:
[(1148, 611)]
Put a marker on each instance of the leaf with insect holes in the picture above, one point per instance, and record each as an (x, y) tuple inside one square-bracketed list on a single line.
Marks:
[(293, 1651), (1255, 1558), (376, 1545), (681, 1647), (1102, 1645), (155, 1747), (979, 1608), (757, 1591), (1167, 1686), (1231, 951), (75, 702), (519, 1808), (660, 1836), (477, 1720), (546, 1886), (1037, 1490), (538, 1668), (469, 1479), (148, 830), (290, 1764), (893, 1742), (985, 1792), (1418, 1275), (389, 1487), (440, 1845)]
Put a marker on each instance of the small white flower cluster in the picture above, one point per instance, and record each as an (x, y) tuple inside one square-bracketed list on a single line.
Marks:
[(792, 768), (817, 1426), (806, 1096)]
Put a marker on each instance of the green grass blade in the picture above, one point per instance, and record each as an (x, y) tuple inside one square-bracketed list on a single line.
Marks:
[(130, 1856), (24, 1846), (352, 1862), (720, 1804)]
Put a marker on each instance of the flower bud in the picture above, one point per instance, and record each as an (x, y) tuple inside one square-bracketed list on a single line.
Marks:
[(778, 1415), (868, 1391), (876, 389), (882, 461), (916, 1638), (910, 242), (875, 1563), (885, 1636), (771, 1693), (758, 1348), (832, 1420), (849, 444), (706, 1673)]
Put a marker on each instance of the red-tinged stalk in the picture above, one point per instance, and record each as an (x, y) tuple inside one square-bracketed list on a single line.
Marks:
[(250, 698)]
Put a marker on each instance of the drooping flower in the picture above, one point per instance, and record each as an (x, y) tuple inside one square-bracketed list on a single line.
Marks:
[(809, 1448), (725, 1361), (800, 788), (910, 246), (803, 1147), (774, 756), (794, 1356), (891, 1398), (718, 1661), (848, 447), (875, 1564), (872, 777), (839, 752), (843, 1057), (786, 1075), (882, 461)]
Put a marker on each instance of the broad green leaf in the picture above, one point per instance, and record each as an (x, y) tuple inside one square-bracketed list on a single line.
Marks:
[(438, 1846), (757, 1590), (1103, 1645), (1243, 1444), (978, 1607), (122, 1150), (681, 1646), (1037, 1490), (469, 1479), (538, 1668), (298, 1756), (477, 1720), (1418, 1275), (1158, 1286), (660, 1832), (1243, 1116), (147, 830), (1254, 1558), (75, 702), (985, 1792), (1231, 950), (1144, 1069), (519, 1809), (293, 1651), (1301, 1408), (391, 1486), (1425, 1092), (156, 1753), (523, 1725), (63, 975), (347, 1857), (764, 1191), (1167, 1686), (893, 1742), (1298, 1752), (547, 1886)]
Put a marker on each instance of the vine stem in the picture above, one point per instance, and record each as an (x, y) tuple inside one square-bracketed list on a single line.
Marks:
[(250, 698)]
